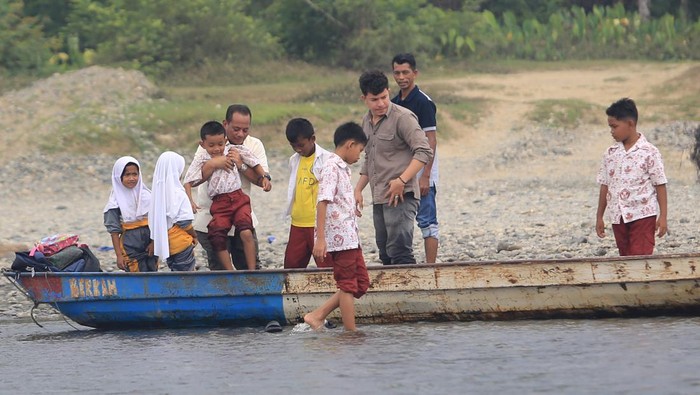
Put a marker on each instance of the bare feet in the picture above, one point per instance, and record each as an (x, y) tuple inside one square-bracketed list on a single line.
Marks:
[(314, 322)]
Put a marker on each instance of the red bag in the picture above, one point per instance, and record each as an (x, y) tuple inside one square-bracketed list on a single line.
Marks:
[(52, 244)]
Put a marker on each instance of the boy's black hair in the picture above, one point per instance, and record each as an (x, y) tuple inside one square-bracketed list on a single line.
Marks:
[(623, 109), (299, 128), (404, 58), (211, 128), (374, 82), (349, 131), (238, 108)]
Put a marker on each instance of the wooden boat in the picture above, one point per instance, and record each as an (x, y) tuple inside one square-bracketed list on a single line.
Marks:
[(573, 288)]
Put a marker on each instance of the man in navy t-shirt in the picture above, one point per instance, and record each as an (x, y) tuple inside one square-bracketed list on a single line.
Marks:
[(411, 97)]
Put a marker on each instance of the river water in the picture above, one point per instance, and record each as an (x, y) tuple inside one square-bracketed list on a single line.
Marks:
[(612, 356)]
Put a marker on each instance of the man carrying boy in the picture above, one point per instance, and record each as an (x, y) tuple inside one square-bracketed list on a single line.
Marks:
[(411, 97), (397, 149), (337, 238), (237, 124), (632, 185), (230, 205), (304, 167)]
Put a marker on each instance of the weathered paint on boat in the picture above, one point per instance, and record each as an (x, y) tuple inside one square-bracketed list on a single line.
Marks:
[(597, 287)]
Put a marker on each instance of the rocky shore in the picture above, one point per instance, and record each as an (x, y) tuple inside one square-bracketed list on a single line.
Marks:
[(531, 195)]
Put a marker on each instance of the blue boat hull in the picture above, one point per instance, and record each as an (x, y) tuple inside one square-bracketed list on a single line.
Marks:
[(151, 300)]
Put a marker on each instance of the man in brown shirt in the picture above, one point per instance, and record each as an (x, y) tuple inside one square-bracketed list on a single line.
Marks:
[(396, 150)]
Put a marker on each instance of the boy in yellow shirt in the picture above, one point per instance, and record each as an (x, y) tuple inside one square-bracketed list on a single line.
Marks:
[(304, 167)]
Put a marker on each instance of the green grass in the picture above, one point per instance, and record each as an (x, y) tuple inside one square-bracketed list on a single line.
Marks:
[(564, 113)]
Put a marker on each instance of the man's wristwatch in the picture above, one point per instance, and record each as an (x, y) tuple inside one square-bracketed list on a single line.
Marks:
[(267, 175), (244, 167)]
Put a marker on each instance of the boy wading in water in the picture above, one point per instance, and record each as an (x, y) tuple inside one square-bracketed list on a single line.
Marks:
[(632, 185), (337, 239)]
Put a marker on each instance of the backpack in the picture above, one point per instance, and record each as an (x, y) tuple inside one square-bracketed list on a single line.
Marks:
[(69, 261), (52, 244)]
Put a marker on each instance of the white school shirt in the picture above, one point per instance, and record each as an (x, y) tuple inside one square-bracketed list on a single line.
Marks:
[(200, 196)]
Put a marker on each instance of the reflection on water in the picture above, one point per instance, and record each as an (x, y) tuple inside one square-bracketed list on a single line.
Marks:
[(559, 356)]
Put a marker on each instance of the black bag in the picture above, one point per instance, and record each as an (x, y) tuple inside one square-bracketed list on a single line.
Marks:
[(87, 262), (38, 263)]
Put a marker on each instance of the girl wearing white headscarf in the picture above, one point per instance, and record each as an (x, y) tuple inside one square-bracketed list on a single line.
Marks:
[(126, 217), (170, 216)]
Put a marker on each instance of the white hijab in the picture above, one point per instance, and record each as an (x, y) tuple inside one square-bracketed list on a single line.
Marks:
[(170, 203), (132, 202)]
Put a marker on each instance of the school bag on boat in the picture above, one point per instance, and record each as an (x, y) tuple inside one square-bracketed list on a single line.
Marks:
[(70, 259), (51, 245)]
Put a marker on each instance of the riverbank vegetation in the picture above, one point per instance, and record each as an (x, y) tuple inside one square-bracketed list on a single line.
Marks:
[(168, 40)]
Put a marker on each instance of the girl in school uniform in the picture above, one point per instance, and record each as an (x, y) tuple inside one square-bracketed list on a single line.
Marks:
[(126, 217), (170, 216)]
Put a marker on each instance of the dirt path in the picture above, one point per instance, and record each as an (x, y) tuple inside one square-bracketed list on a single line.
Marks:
[(513, 96)]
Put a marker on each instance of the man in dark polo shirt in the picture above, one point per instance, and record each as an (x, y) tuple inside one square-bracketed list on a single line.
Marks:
[(396, 150), (411, 97)]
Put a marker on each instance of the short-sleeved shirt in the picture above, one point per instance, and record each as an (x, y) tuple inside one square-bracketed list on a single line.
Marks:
[(423, 106), (335, 186), (392, 143), (631, 177), (221, 180)]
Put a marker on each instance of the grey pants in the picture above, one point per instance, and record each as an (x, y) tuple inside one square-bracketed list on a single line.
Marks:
[(183, 261), (135, 242), (393, 228)]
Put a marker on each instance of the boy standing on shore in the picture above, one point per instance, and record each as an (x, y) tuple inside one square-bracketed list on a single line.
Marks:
[(304, 167), (632, 185), (337, 237)]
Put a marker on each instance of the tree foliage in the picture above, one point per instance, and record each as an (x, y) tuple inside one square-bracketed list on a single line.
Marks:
[(22, 43), (159, 36)]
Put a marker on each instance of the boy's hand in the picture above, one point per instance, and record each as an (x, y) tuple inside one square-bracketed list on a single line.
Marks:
[(661, 227), (359, 203), (600, 227), (319, 251), (235, 157), (195, 207), (150, 248), (222, 162)]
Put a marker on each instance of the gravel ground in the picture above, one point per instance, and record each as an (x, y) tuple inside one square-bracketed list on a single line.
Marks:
[(534, 197)]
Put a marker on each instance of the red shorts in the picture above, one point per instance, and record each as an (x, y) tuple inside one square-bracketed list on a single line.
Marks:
[(227, 210), (300, 248), (636, 237), (349, 271)]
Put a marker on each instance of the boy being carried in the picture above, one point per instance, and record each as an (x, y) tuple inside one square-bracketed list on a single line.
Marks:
[(337, 237), (304, 168), (230, 205)]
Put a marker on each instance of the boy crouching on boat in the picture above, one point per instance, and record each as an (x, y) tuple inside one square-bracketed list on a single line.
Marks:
[(632, 185), (126, 217), (337, 238), (230, 205), (170, 216)]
